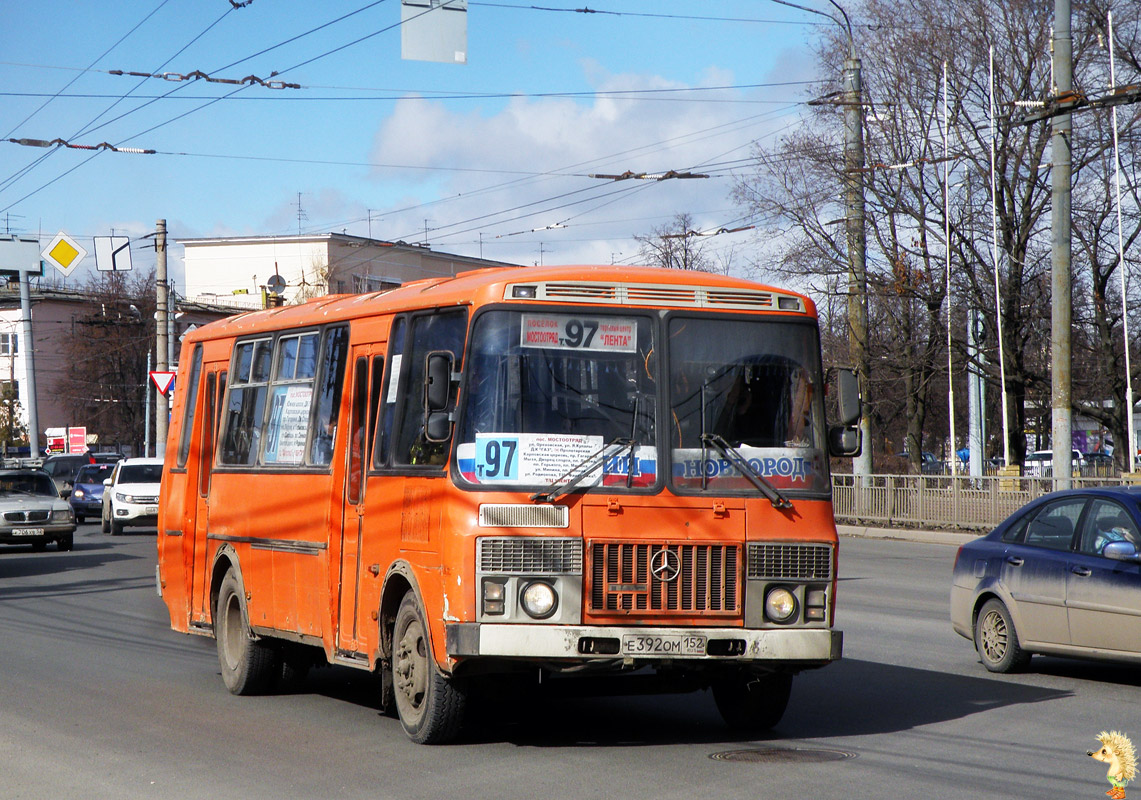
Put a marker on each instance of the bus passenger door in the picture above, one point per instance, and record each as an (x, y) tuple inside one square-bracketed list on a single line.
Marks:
[(201, 525), (361, 429)]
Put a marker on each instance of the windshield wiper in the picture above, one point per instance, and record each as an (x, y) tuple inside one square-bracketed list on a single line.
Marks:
[(579, 471), (763, 484)]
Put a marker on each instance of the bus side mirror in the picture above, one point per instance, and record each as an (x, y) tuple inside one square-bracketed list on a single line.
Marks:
[(848, 396), (844, 438), (844, 441), (437, 394), (437, 381)]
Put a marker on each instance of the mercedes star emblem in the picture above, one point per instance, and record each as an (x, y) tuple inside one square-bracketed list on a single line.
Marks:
[(665, 565)]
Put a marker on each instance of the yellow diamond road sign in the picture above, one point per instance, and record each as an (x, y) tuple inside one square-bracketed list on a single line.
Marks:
[(64, 253)]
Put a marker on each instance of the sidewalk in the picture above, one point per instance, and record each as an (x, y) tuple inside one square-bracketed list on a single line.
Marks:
[(903, 534)]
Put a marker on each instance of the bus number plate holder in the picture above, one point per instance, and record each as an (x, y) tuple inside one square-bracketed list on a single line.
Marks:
[(639, 644)]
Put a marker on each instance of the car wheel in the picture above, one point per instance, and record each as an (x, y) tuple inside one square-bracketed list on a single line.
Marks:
[(430, 705), (996, 639), (79, 519), (116, 527), (105, 523), (752, 703), (249, 666), (66, 542), (39, 547)]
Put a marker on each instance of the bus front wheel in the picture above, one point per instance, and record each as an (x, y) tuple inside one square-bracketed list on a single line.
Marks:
[(430, 705), (749, 702), (248, 666)]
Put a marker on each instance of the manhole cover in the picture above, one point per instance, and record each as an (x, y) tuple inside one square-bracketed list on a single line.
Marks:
[(787, 755)]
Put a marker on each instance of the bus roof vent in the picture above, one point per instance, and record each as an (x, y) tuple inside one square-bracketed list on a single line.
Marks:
[(518, 515), (589, 292), (740, 298), (653, 294)]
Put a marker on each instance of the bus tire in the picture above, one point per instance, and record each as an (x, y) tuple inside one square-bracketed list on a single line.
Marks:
[(430, 705), (749, 702), (248, 666)]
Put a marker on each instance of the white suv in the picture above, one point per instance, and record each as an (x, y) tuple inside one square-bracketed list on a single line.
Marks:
[(131, 494)]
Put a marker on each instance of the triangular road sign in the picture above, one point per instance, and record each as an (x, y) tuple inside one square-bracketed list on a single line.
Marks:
[(163, 380)]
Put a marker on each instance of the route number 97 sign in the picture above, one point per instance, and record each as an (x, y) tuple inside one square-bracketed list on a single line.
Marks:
[(571, 332)]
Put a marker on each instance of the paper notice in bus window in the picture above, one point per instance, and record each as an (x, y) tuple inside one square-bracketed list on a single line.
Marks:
[(393, 377), (288, 425), (567, 332), (526, 458), (783, 467)]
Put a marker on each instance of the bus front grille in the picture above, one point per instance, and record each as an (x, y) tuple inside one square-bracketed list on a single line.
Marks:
[(801, 562), (661, 578)]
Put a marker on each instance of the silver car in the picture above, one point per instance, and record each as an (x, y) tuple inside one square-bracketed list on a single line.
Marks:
[(32, 511), (1061, 576)]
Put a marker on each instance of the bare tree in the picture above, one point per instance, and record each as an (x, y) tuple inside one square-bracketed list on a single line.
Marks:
[(903, 46), (676, 246), (108, 352)]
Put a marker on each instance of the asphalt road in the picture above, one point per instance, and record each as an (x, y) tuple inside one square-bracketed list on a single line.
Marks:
[(100, 699)]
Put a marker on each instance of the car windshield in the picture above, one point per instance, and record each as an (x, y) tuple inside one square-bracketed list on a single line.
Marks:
[(549, 393), (754, 384), (27, 483), (94, 473), (140, 473)]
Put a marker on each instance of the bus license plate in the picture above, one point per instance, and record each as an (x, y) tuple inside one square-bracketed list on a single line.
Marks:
[(637, 644), (27, 531)]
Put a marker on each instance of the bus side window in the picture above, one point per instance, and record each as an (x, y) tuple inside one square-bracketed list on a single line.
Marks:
[(430, 332), (191, 403), (357, 431), (206, 455), (332, 377), (374, 401), (391, 391), (245, 406)]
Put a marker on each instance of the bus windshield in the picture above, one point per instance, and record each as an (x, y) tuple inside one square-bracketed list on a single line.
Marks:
[(549, 391), (750, 385)]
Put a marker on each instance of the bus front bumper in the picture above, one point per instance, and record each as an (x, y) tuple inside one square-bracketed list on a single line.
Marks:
[(802, 647)]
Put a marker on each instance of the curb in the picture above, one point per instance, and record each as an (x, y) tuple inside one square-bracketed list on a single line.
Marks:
[(906, 535)]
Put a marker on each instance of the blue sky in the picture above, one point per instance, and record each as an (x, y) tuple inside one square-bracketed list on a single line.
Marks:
[(407, 145)]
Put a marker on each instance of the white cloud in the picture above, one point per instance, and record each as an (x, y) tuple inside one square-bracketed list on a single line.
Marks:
[(556, 136)]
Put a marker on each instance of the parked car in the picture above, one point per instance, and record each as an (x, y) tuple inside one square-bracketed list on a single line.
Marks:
[(1062, 576), (928, 463), (32, 512), (86, 499), (1040, 463), (62, 469), (107, 458), (130, 495)]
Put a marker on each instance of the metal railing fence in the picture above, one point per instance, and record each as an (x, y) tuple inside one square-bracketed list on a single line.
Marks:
[(939, 501)]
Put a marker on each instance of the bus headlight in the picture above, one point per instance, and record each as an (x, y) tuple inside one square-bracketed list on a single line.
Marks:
[(539, 599), (780, 605)]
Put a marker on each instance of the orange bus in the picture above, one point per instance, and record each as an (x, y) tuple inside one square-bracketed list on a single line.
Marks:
[(531, 471)]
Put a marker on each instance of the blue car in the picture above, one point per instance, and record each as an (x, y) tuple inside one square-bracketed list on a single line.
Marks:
[(86, 498), (1061, 576)]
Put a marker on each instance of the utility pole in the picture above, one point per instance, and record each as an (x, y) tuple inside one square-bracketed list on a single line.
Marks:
[(857, 244), (1060, 250), (161, 407)]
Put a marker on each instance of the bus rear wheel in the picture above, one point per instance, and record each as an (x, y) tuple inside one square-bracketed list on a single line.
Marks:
[(248, 666), (430, 705), (751, 703)]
